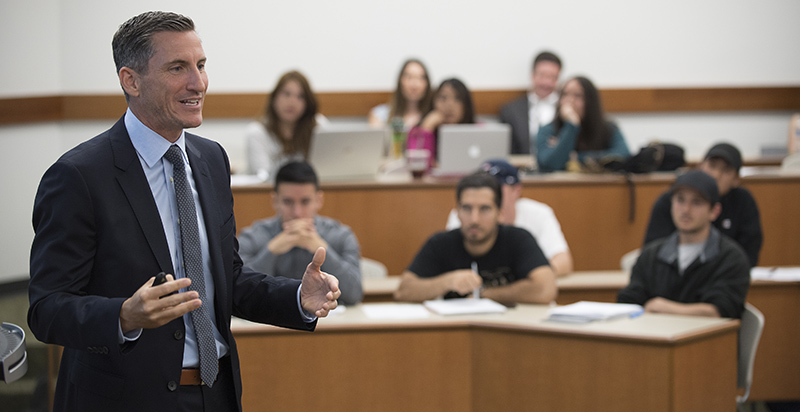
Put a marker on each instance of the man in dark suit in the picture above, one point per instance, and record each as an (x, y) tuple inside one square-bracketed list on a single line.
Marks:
[(108, 217), (527, 113)]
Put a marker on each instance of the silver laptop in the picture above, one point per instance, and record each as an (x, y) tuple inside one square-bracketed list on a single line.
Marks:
[(347, 152), (464, 147)]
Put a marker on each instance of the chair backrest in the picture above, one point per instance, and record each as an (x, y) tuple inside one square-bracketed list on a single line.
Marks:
[(749, 335), (791, 163), (372, 269), (629, 259)]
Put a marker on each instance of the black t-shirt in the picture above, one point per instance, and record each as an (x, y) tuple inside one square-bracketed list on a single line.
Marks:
[(739, 220), (514, 255)]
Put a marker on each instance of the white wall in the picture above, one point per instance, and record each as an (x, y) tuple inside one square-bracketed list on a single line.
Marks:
[(53, 47), (63, 46)]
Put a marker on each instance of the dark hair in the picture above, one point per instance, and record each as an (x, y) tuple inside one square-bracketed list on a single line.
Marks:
[(463, 95), (296, 172), (399, 104), (132, 45), (479, 180), (300, 141), (546, 56), (595, 133)]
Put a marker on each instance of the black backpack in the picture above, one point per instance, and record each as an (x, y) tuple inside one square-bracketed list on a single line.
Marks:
[(655, 157)]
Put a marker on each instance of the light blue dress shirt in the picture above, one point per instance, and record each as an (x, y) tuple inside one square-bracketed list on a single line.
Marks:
[(151, 147)]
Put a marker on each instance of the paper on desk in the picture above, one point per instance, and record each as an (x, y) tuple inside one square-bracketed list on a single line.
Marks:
[(776, 274), (465, 306), (394, 311), (243, 180), (583, 311)]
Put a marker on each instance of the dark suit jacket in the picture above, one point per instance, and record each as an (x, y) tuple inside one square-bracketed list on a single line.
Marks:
[(98, 239), (516, 114)]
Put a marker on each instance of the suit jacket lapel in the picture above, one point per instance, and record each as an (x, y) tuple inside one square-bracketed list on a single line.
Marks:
[(134, 184)]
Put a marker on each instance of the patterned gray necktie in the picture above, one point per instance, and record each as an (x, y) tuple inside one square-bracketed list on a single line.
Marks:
[(193, 267)]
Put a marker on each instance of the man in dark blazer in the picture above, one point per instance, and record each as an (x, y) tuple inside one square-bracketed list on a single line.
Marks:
[(527, 113), (106, 222)]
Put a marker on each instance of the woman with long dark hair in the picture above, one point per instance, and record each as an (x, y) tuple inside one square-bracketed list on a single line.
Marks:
[(452, 104), (284, 133), (580, 127), (412, 97)]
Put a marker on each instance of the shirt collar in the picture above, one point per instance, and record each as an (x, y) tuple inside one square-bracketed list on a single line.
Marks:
[(150, 146), (533, 99), (669, 250)]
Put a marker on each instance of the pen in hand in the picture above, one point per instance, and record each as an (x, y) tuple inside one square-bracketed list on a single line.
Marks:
[(476, 293)]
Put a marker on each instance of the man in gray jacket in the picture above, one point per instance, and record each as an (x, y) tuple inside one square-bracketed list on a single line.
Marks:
[(697, 270), (283, 244)]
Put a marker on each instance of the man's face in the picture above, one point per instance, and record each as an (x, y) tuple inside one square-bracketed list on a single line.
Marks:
[(169, 97), (691, 212), (478, 215), (296, 201), (727, 178), (545, 78)]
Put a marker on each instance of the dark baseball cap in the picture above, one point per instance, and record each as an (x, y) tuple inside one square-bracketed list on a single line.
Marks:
[(727, 152), (699, 181), (504, 172)]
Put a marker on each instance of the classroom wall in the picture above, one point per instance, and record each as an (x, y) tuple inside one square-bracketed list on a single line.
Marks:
[(57, 47)]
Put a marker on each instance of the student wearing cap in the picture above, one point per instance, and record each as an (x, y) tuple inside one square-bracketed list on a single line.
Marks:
[(696, 270), (535, 217), (739, 218), (483, 257)]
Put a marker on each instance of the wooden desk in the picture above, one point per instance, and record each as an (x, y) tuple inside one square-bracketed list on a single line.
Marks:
[(775, 373), (392, 220), (514, 361)]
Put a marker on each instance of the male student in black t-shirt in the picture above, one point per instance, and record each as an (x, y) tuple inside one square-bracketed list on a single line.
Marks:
[(739, 218), (503, 263)]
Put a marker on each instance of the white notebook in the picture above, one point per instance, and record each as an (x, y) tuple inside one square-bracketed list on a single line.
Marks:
[(584, 312), (465, 306)]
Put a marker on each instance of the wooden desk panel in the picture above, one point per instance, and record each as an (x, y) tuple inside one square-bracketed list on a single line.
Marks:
[(775, 375), (558, 374), (502, 362), (778, 201), (393, 220), (406, 370)]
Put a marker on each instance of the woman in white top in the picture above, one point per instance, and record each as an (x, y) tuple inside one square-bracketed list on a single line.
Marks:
[(284, 133), (411, 99)]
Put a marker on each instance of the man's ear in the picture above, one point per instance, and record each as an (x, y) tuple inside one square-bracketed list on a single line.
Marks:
[(736, 180), (715, 211), (320, 200), (130, 81)]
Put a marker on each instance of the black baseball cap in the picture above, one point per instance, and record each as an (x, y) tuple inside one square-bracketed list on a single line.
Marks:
[(699, 181), (505, 173), (727, 152)]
